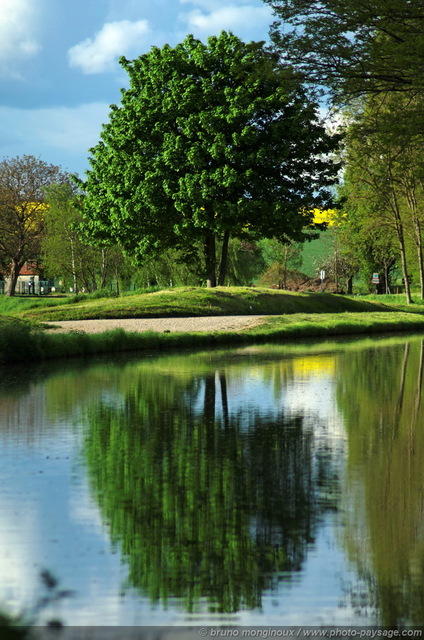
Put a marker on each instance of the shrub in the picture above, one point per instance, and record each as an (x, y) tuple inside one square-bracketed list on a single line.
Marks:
[(17, 341)]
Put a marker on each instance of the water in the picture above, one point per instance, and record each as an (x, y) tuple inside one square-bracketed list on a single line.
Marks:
[(275, 485)]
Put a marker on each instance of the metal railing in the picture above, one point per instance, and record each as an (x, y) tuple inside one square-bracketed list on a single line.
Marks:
[(23, 287)]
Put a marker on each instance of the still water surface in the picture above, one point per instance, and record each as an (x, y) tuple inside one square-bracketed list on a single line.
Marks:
[(278, 485)]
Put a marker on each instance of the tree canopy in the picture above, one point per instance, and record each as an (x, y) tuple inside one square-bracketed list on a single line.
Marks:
[(210, 140), (353, 46), (22, 209), (369, 57), (65, 254)]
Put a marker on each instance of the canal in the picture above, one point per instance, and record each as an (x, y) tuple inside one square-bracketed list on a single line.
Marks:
[(267, 485)]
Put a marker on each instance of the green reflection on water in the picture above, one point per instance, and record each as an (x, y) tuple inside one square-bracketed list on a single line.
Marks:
[(380, 395), (212, 504), (204, 502)]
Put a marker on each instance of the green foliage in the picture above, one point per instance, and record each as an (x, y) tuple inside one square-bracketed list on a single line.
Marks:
[(370, 55), (353, 48), (65, 254), (209, 141), (20, 626), (170, 268), (22, 210), (16, 341), (365, 235), (281, 258), (245, 262), (382, 192), (289, 253), (385, 478), (11, 629), (175, 268), (197, 521)]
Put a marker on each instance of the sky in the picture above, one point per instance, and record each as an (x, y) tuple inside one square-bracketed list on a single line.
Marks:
[(59, 69)]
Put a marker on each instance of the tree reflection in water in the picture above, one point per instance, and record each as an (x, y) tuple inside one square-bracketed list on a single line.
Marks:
[(205, 503), (380, 395)]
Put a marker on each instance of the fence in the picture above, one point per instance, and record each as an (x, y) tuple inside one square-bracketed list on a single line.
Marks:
[(23, 287)]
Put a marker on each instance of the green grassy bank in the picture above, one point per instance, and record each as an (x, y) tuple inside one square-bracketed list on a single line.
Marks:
[(184, 302), (292, 316)]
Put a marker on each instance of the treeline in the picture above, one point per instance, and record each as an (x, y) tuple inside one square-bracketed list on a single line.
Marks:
[(65, 252), (382, 195), (41, 222), (368, 60), (66, 255)]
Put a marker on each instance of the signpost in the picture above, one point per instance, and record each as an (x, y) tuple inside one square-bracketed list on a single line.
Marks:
[(322, 276), (375, 280)]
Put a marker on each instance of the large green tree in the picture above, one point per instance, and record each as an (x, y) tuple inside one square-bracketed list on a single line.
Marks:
[(372, 172), (383, 185), (369, 54), (210, 141)]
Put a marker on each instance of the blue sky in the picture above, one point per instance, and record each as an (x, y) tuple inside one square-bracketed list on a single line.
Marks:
[(58, 63)]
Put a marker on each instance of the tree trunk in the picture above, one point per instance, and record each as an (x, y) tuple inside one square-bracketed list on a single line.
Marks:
[(103, 269), (404, 269), (421, 269), (224, 398), (286, 254), (117, 279), (401, 395), (224, 259), (419, 245), (349, 285), (410, 193), (419, 383), (386, 279), (74, 268), (209, 398), (401, 239), (394, 204), (417, 237), (14, 274), (336, 271), (210, 259)]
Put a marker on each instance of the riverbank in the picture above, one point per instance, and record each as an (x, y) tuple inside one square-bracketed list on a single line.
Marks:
[(34, 329), (21, 341)]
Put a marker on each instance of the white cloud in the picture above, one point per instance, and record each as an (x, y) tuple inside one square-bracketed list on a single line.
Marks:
[(17, 37), (242, 19), (95, 55)]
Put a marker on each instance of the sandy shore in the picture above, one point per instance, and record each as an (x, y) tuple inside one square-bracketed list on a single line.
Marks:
[(209, 323)]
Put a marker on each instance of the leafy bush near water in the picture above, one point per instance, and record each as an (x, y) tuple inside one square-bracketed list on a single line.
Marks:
[(17, 341)]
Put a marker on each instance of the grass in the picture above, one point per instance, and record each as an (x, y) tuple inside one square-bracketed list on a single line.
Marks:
[(22, 342), (187, 301), (292, 316), (398, 301)]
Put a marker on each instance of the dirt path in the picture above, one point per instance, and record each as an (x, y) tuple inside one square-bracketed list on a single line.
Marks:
[(209, 323)]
